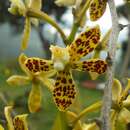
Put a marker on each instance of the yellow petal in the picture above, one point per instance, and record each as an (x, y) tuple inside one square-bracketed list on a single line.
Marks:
[(1, 128), (97, 9), (8, 117), (35, 98), (20, 122), (35, 4), (22, 59), (114, 116), (116, 90), (65, 2), (85, 43), (36, 66), (93, 75), (17, 7), (17, 80), (64, 90), (91, 126), (126, 103), (125, 92), (93, 66), (105, 39), (71, 116), (124, 116), (26, 34)]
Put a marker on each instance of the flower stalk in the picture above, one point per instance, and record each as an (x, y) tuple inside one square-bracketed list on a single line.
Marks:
[(43, 16)]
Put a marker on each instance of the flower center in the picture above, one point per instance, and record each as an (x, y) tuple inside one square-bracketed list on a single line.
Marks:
[(60, 57)]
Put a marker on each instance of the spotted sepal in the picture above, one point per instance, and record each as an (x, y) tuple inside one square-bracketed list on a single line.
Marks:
[(97, 9), (20, 122), (85, 43), (35, 65), (64, 91), (94, 65)]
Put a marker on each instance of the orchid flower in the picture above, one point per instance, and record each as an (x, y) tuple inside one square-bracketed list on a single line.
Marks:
[(121, 102), (67, 59), (97, 9), (18, 7), (37, 71), (18, 122)]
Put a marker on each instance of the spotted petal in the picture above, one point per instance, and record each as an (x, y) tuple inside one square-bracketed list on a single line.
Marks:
[(93, 65), (64, 91), (34, 65), (20, 122), (97, 9), (85, 43)]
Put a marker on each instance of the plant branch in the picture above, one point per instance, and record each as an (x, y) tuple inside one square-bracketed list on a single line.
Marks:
[(43, 16), (107, 101), (77, 20)]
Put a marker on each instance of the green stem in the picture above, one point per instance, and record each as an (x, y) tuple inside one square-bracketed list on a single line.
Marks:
[(73, 32), (83, 11), (63, 120), (77, 21), (43, 16), (87, 110)]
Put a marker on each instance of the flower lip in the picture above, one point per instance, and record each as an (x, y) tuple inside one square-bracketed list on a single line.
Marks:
[(60, 57)]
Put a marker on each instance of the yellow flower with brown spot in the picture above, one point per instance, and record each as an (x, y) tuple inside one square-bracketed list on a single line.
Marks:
[(121, 102), (18, 122), (38, 71), (67, 59), (97, 9), (18, 7)]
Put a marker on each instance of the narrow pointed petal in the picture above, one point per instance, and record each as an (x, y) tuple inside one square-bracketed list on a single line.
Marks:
[(64, 90), (114, 117), (26, 34), (35, 98), (85, 43), (17, 80), (97, 9), (93, 65), (34, 65), (1, 127), (65, 2), (8, 117), (71, 116), (116, 90), (20, 122), (125, 92), (124, 116)]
